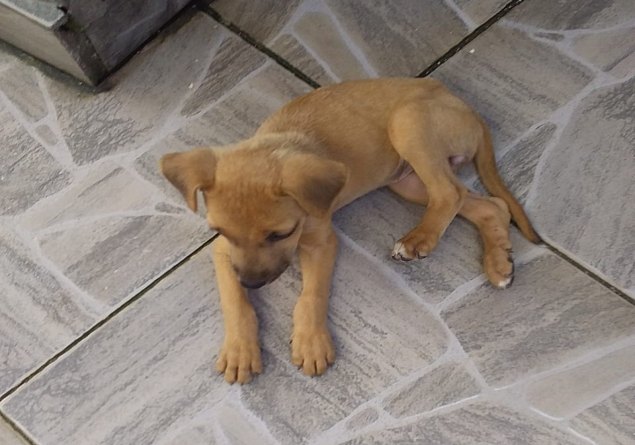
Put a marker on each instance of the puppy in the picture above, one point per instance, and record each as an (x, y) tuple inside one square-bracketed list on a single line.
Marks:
[(274, 194)]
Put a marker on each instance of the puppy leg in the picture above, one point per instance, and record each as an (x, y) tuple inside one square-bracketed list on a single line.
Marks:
[(492, 217), (311, 344), (428, 154), (239, 357), (489, 214)]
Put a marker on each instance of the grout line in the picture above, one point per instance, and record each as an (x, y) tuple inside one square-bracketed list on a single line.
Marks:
[(19, 431), (471, 36), (589, 273), (106, 319), (259, 46)]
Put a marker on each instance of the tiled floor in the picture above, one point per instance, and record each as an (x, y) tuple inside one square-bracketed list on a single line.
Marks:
[(104, 341)]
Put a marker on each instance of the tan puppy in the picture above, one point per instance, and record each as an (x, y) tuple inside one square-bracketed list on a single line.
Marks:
[(274, 194)]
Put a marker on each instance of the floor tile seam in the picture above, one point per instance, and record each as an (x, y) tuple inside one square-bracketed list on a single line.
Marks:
[(462, 15), (469, 38), (563, 47), (522, 384), (468, 287), (578, 434), (562, 118), (589, 271), (615, 389), (20, 118), (226, 94), (320, 7), (350, 44), (93, 329), (385, 419), (21, 432), (87, 301), (377, 401), (234, 398), (77, 223), (250, 40), (452, 343), (576, 32), (62, 153)]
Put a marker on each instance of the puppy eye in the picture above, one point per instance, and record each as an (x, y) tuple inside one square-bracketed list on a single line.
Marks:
[(275, 236)]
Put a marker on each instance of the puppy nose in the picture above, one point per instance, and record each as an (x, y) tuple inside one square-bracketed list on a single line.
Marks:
[(252, 284)]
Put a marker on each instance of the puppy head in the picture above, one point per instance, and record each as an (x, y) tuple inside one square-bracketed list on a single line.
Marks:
[(258, 201)]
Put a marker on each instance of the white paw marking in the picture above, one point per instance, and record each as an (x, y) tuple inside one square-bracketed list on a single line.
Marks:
[(399, 252), (504, 283)]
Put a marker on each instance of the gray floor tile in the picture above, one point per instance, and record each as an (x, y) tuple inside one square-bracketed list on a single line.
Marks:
[(19, 83), (139, 376), (588, 14), (478, 423), (148, 92), (362, 418), (610, 422), (480, 10), (570, 391), (219, 78), (106, 189), (552, 314), (586, 180), (38, 315), (498, 75), (8, 436), (376, 345), (159, 352), (27, 171), (114, 257), (263, 20), (443, 385), (612, 51), (343, 40)]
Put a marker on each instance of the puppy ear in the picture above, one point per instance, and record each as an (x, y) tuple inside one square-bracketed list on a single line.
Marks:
[(313, 182), (189, 172)]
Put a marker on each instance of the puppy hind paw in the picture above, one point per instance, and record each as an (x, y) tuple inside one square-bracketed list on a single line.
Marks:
[(499, 267)]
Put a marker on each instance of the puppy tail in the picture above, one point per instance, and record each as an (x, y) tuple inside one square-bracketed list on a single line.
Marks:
[(485, 163)]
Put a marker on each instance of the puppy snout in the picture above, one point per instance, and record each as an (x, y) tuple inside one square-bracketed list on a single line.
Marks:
[(252, 284)]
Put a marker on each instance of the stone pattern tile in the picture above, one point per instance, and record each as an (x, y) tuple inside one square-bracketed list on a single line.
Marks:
[(512, 96), (19, 84), (445, 384), (456, 260), (564, 145), (542, 321), (27, 171), (40, 312), (8, 436), (373, 351), (171, 336), (610, 422), (94, 230), (478, 423), (158, 353), (567, 392), (612, 51), (422, 346), (480, 10), (342, 40), (594, 152)]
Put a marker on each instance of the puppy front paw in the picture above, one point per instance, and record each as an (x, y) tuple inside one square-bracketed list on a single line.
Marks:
[(312, 350), (415, 245), (239, 359)]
